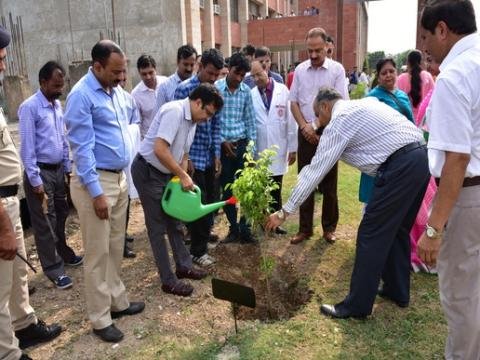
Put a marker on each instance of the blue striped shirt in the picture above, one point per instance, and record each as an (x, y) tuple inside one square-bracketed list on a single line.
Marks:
[(206, 144), (166, 90), (237, 118), (97, 130), (42, 135)]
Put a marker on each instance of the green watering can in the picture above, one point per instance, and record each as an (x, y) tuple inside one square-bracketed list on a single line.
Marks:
[(187, 206)]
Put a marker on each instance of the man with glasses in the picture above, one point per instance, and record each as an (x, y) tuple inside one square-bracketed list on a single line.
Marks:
[(162, 155), (264, 56)]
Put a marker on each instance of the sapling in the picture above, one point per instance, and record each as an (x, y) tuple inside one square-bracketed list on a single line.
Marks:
[(253, 188)]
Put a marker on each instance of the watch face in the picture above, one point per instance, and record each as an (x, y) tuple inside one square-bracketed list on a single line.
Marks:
[(431, 232)]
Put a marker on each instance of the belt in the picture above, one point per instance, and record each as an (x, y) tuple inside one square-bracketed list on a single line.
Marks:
[(405, 149), (142, 159), (115, 171), (471, 181), (8, 190), (238, 142), (46, 166)]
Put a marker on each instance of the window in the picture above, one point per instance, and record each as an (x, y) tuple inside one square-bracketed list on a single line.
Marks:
[(234, 10)]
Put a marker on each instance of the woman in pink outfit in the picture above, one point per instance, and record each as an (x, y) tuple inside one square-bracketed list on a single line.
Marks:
[(423, 213), (417, 83)]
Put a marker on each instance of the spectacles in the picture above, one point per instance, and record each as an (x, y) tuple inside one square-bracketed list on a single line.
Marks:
[(209, 112)]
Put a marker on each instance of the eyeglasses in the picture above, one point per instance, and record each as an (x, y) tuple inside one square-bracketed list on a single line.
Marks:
[(209, 112)]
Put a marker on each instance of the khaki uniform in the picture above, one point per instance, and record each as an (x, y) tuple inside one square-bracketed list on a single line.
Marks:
[(15, 310)]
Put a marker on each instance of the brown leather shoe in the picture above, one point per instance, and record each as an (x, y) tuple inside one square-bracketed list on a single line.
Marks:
[(194, 274), (329, 237), (299, 237), (179, 289)]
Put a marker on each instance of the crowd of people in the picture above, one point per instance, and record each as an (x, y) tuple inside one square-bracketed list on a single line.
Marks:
[(109, 146)]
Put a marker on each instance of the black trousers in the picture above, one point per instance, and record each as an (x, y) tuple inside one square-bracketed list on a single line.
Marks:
[(383, 239), (328, 187), (277, 194), (200, 229)]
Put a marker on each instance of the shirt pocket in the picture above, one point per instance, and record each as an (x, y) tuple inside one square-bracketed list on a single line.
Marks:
[(5, 138)]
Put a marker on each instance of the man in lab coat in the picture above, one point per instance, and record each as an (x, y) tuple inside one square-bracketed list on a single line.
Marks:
[(275, 126)]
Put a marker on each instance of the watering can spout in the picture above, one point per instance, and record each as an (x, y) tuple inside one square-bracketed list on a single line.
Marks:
[(208, 208), (186, 205)]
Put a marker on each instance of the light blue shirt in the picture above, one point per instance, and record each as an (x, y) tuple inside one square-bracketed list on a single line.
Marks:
[(97, 130), (42, 135), (166, 90), (237, 117)]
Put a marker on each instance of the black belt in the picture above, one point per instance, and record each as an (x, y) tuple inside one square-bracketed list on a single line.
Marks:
[(472, 181), (407, 148), (46, 166), (8, 190), (115, 171), (238, 142), (145, 162)]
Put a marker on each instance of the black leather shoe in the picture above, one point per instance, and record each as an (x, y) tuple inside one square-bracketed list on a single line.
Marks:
[(37, 333), (133, 308), (231, 238), (383, 294), (128, 253), (109, 334), (338, 312), (280, 231)]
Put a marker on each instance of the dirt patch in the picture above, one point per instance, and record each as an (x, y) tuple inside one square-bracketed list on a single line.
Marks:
[(170, 320), (288, 285)]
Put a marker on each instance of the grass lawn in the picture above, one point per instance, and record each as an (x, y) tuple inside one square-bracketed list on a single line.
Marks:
[(417, 332), (201, 327)]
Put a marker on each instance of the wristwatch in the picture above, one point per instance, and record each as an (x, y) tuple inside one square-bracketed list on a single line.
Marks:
[(281, 214), (431, 232)]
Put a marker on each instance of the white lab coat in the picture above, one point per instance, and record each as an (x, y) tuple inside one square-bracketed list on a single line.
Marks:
[(277, 127)]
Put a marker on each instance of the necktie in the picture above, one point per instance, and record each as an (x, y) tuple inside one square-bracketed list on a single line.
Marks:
[(263, 94)]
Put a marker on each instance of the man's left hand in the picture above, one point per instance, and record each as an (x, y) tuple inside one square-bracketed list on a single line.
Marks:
[(428, 248)]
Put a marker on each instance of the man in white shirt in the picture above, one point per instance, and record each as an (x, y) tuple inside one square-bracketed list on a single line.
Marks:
[(275, 127), (145, 92), (163, 154), (380, 141), (448, 30), (311, 75)]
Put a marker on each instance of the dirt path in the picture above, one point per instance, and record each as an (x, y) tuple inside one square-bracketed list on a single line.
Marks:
[(170, 322)]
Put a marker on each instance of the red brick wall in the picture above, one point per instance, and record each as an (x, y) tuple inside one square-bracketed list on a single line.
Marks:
[(202, 21), (236, 34), (349, 40), (278, 32), (218, 29)]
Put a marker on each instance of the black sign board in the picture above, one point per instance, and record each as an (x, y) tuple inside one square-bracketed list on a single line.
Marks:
[(235, 293)]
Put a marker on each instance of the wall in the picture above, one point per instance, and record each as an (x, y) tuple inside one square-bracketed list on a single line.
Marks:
[(278, 34), (145, 27)]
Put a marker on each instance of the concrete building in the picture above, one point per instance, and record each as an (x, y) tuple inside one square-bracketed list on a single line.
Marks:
[(66, 30), (346, 21)]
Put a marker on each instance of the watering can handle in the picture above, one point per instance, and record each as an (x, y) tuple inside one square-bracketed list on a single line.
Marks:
[(195, 190)]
